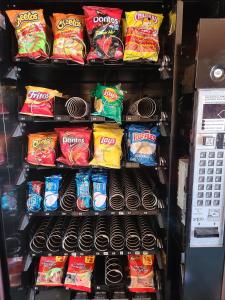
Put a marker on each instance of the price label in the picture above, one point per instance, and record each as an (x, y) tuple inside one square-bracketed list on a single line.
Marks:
[(121, 213), (105, 253)]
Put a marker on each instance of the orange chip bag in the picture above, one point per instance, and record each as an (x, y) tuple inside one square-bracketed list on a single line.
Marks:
[(68, 37), (39, 101), (30, 28), (41, 148)]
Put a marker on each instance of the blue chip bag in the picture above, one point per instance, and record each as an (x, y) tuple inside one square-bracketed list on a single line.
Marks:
[(83, 190), (99, 180), (142, 141), (52, 184), (34, 196)]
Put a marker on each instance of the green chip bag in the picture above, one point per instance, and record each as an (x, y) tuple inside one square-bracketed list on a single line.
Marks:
[(108, 102)]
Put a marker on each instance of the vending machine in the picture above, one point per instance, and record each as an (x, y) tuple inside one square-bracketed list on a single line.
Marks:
[(205, 244)]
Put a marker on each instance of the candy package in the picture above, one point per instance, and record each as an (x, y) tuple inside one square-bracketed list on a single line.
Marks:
[(99, 181), (83, 190), (108, 102), (107, 145), (52, 185), (141, 273), (103, 27), (142, 41), (34, 196), (39, 101), (51, 270), (79, 273), (9, 198), (41, 148), (141, 142), (68, 37), (74, 145), (30, 28)]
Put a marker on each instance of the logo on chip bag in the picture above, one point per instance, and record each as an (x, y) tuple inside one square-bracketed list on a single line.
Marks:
[(26, 17), (72, 140), (36, 95), (107, 141), (106, 19), (110, 95), (46, 142), (68, 23), (144, 136), (150, 17)]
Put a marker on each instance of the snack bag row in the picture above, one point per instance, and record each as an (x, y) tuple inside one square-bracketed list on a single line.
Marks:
[(78, 276), (104, 30)]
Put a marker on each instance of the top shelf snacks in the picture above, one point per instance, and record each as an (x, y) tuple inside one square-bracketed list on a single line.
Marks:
[(111, 38)]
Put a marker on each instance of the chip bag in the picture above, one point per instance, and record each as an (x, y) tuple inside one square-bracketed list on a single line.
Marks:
[(103, 27), (108, 102), (74, 145), (39, 101), (30, 28), (142, 142), (107, 145), (142, 41), (41, 148), (68, 37), (50, 270), (141, 273), (79, 273)]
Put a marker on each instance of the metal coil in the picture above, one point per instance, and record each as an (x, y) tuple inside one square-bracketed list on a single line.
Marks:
[(38, 242), (86, 236), (116, 234), (116, 196), (69, 242), (132, 239), (132, 197), (148, 238), (101, 239), (67, 198), (54, 239), (77, 107), (113, 270), (144, 107)]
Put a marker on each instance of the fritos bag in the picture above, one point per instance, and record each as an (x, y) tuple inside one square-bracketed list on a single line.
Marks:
[(142, 41), (107, 145), (39, 101), (41, 148), (30, 28), (141, 273), (103, 27), (74, 145), (50, 270), (79, 273), (68, 37)]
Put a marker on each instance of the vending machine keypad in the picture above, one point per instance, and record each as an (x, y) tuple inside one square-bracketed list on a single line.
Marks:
[(207, 214)]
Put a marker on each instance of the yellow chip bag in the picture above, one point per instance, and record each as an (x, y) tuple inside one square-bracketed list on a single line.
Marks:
[(107, 146), (142, 41)]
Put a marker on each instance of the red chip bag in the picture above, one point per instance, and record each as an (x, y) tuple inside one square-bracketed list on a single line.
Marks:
[(74, 145), (39, 101), (79, 273), (41, 148), (103, 27), (50, 271), (141, 273)]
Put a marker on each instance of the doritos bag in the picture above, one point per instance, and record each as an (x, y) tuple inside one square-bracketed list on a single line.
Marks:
[(41, 148), (79, 273), (103, 27), (141, 273), (50, 270), (142, 41), (74, 145), (39, 101), (68, 37), (30, 28)]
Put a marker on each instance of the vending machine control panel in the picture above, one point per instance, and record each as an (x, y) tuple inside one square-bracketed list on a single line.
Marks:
[(208, 189)]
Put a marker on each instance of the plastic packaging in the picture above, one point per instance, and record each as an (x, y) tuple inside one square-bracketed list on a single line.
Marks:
[(34, 196), (99, 180), (52, 184), (83, 190)]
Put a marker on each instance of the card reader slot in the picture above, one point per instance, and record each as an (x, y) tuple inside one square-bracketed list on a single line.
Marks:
[(206, 232)]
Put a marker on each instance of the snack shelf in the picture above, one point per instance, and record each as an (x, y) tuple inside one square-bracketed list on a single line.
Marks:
[(155, 251), (95, 213), (153, 2), (66, 118)]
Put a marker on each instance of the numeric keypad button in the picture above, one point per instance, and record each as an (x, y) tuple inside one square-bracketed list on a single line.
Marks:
[(218, 179), (200, 194), (219, 170), (208, 202), (208, 195), (211, 163), (219, 163), (220, 154), (199, 202), (216, 202), (202, 163), (210, 170), (209, 187), (203, 155), (217, 194), (211, 154), (201, 179), (217, 186), (201, 171), (209, 178), (201, 187)]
